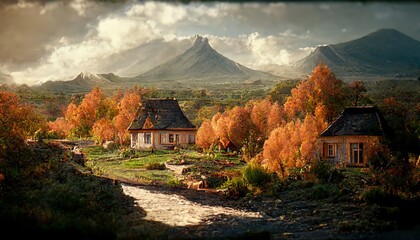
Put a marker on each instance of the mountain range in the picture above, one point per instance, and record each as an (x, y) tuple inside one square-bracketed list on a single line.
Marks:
[(384, 53), (83, 82)]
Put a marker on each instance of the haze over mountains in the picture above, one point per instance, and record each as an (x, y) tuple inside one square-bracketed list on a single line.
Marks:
[(83, 82), (202, 62), (6, 79), (386, 52)]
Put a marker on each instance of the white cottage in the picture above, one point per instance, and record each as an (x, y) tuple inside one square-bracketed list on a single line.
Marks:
[(161, 124)]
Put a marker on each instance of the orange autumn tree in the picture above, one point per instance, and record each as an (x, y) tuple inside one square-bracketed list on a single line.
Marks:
[(127, 109), (240, 127), (321, 88), (294, 144), (91, 109), (220, 123), (357, 92), (275, 118), (60, 127), (259, 115), (103, 130), (17, 121), (103, 118), (206, 137)]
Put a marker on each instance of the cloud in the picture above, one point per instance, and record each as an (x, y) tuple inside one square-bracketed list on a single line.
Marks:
[(267, 50), (255, 50)]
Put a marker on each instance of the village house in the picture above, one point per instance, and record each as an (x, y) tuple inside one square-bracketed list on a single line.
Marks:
[(350, 137), (161, 124)]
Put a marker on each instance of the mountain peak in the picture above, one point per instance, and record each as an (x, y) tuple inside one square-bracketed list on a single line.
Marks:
[(201, 61), (388, 34), (383, 52), (200, 42), (387, 31), (88, 75)]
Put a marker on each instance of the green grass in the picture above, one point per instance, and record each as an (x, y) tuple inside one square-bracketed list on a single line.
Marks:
[(98, 152), (134, 164), (150, 159)]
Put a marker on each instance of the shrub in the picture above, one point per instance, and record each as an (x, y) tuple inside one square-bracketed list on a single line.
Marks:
[(326, 172), (298, 173), (216, 180), (377, 195), (256, 175), (235, 187), (323, 191), (155, 166), (126, 153), (174, 182)]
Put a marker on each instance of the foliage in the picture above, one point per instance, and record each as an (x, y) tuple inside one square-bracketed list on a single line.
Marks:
[(357, 92), (235, 187), (17, 122), (256, 175), (126, 108), (155, 166), (282, 90), (374, 195), (293, 145), (103, 130), (403, 123), (322, 88), (206, 137), (49, 196), (326, 172), (322, 191), (98, 116), (174, 182)]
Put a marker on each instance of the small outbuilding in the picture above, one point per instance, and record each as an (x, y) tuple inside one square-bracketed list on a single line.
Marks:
[(161, 124)]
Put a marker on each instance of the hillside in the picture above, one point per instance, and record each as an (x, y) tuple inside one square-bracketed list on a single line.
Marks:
[(386, 52), (202, 62), (83, 82)]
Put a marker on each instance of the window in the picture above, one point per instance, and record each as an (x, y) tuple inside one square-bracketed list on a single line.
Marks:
[(174, 138), (191, 138), (331, 150), (163, 138), (356, 153), (183, 138), (134, 140), (147, 138)]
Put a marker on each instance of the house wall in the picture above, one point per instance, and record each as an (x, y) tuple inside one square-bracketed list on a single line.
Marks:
[(342, 147), (162, 139)]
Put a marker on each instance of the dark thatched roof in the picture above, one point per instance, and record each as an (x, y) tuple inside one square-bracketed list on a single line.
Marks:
[(357, 121), (160, 114)]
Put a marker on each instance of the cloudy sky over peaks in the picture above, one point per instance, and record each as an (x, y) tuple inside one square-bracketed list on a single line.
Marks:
[(56, 40)]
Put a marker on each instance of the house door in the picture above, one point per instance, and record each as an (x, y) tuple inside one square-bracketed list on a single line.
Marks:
[(356, 153)]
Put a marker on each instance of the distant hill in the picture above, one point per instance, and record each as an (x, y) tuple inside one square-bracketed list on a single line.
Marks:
[(83, 82), (202, 62), (384, 52), (6, 79)]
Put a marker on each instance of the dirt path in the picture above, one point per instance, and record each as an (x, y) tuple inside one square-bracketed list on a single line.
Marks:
[(211, 216), (177, 210)]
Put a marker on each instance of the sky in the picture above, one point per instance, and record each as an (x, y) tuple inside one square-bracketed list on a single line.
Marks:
[(56, 40)]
